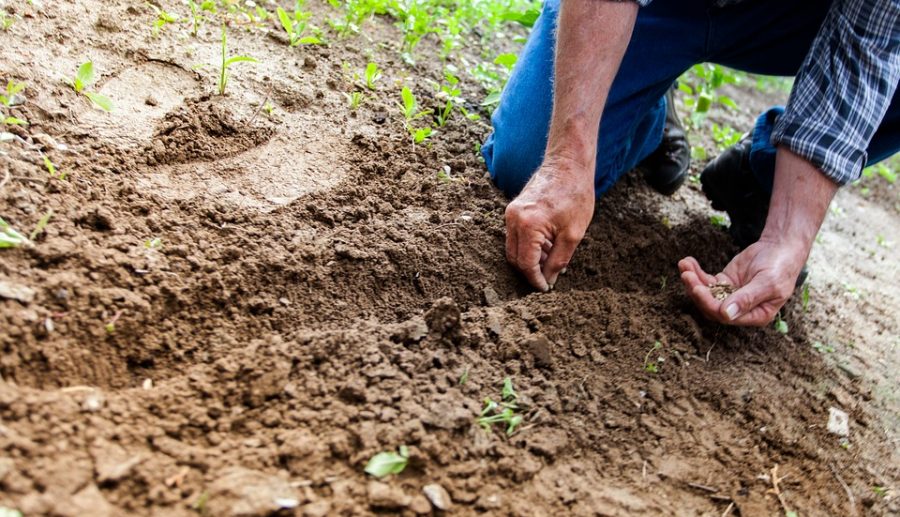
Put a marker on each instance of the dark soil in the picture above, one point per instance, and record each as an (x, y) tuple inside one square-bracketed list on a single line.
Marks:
[(319, 292)]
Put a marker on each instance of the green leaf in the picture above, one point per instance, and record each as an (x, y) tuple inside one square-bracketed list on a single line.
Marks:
[(101, 101), (804, 296), (309, 40), (685, 88), (491, 99), (239, 59), (703, 103), (15, 121), (506, 60), (13, 87), (41, 224), (727, 101), (526, 18), (385, 463), (286, 22), (409, 102), (50, 167), (508, 393), (85, 76), (780, 325), (10, 238)]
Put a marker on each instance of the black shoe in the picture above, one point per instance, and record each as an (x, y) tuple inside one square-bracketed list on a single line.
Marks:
[(728, 182), (667, 167)]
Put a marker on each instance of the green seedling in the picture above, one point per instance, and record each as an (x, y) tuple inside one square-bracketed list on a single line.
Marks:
[(443, 116), (197, 9), (507, 61), (653, 366), (200, 504), (6, 20), (389, 462), (163, 18), (880, 491), (41, 224), (780, 325), (12, 88), (228, 61), (698, 152), (804, 297), (111, 325), (84, 78), (52, 169), (373, 74), (10, 238), (152, 244), (295, 25), (410, 106), (419, 135), (464, 378), (719, 220), (503, 412), (822, 348), (354, 99)]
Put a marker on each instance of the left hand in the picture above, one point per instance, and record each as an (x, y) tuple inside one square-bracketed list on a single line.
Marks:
[(764, 275)]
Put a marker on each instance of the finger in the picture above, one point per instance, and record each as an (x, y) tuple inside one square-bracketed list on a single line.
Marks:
[(701, 295), (741, 307), (691, 264), (512, 244), (560, 255), (543, 257), (547, 246), (528, 260)]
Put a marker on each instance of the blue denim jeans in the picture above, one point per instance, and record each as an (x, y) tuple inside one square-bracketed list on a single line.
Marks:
[(764, 36)]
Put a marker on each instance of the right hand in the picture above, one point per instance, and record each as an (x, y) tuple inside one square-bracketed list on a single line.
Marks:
[(548, 219)]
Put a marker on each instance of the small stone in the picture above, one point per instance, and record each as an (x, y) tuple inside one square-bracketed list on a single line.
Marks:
[(491, 298), (838, 422), (147, 384), (317, 509), (420, 505), (93, 402), (541, 349), (243, 492), (438, 496), (18, 292), (382, 495)]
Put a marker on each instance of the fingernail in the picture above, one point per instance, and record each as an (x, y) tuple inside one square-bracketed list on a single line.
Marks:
[(732, 311), (563, 271)]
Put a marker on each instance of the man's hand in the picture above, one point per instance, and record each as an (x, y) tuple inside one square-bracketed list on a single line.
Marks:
[(547, 221), (764, 275)]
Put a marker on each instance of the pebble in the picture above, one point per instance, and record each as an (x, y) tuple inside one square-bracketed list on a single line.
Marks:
[(838, 422), (438, 496), (18, 292), (385, 496)]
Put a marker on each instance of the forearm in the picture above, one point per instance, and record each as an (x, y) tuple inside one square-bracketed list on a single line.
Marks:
[(592, 36), (800, 200)]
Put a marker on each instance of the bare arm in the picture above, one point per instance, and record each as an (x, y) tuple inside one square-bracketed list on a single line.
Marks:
[(548, 219), (766, 271)]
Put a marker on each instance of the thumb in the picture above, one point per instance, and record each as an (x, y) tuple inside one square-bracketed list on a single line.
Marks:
[(746, 299)]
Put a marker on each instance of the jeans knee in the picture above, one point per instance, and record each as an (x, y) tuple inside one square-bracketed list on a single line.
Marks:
[(510, 160)]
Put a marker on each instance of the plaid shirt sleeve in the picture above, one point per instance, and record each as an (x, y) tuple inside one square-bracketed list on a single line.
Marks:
[(844, 87)]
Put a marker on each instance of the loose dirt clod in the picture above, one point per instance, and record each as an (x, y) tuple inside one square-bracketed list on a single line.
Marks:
[(721, 291)]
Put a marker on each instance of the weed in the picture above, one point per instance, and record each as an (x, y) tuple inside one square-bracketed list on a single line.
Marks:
[(197, 14), (228, 61), (10, 238), (653, 366), (503, 412), (420, 134), (84, 78), (780, 325), (295, 25), (389, 462), (372, 75)]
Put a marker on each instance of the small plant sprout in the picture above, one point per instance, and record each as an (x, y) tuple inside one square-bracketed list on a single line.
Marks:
[(420, 134), (410, 106), (54, 173), (719, 220), (804, 297), (354, 100), (388, 462), (163, 18), (84, 78), (295, 24), (503, 412), (822, 348), (373, 74), (228, 61), (10, 238), (197, 15), (464, 377), (111, 324), (780, 325), (154, 243), (653, 366), (41, 224), (13, 88)]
